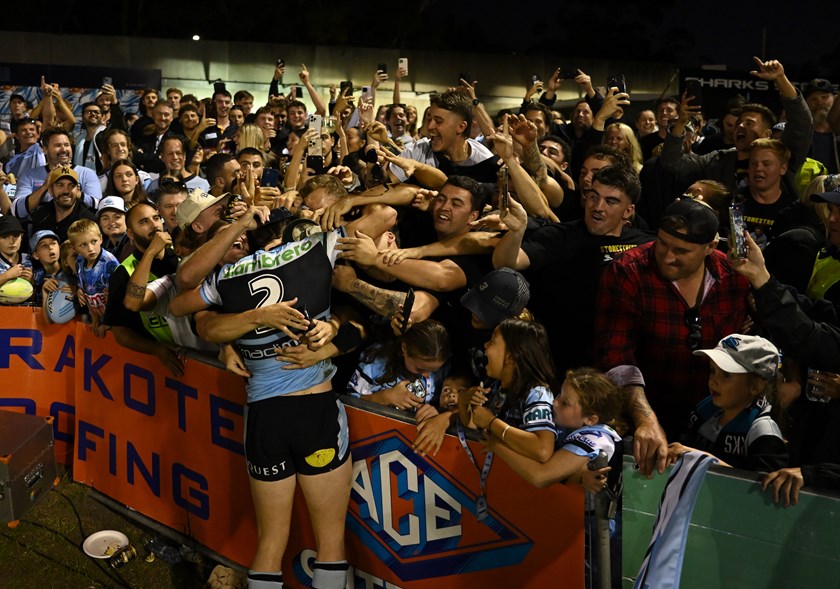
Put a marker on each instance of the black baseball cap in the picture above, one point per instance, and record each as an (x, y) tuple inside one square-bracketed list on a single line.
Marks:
[(501, 294), (817, 85), (10, 224), (833, 196), (690, 221)]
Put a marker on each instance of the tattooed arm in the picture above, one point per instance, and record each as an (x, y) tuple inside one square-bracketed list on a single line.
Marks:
[(381, 301), (137, 296), (650, 447)]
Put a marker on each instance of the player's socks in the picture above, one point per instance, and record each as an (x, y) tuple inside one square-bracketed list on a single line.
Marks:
[(260, 580), (329, 575)]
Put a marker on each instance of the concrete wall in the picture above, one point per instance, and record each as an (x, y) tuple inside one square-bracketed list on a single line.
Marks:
[(191, 66)]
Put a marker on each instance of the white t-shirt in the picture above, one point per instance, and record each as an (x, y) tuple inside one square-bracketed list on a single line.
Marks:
[(422, 152)]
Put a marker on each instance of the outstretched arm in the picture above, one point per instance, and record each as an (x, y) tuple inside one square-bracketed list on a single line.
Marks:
[(562, 465), (317, 101)]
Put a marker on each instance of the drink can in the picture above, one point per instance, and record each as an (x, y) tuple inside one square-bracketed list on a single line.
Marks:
[(123, 556)]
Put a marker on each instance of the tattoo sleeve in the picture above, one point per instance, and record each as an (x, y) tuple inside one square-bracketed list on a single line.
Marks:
[(636, 403), (533, 162), (135, 291), (383, 302)]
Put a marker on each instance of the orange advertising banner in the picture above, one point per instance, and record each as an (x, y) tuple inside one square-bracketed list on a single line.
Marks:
[(171, 448), (412, 519), (37, 371)]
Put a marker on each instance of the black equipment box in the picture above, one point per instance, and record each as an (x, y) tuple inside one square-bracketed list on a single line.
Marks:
[(27, 462)]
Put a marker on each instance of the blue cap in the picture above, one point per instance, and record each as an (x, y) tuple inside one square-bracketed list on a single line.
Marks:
[(39, 235)]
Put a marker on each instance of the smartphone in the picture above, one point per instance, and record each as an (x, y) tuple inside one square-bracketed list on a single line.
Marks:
[(219, 86), (346, 84), (417, 389), (311, 326), (737, 241), (382, 67), (315, 163), (568, 74), (504, 203), (314, 146), (281, 62), (270, 177), (599, 462), (365, 92), (403, 63), (107, 81), (617, 81), (234, 198), (464, 76), (408, 304), (535, 78), (693, 88), (298, 92), (210, 140)]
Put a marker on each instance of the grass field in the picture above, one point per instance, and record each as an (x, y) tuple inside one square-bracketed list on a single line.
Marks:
[(45, 549)]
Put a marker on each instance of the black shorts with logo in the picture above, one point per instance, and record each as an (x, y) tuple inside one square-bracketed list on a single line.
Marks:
[(304, 434)]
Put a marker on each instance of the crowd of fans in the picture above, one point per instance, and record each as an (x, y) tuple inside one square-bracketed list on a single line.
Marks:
[(556, 283)]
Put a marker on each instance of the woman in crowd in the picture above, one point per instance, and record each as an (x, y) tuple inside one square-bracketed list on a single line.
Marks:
[(124, 182), (621, 137)]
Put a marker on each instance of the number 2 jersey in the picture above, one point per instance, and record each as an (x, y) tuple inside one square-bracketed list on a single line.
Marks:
[(300, 269)]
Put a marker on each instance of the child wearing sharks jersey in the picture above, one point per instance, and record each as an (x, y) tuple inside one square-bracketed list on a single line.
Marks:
[(518, 410), (94, 267), (735, 423), (387, 372)]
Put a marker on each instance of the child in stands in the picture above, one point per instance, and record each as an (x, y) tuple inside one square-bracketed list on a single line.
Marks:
[(735, 422)]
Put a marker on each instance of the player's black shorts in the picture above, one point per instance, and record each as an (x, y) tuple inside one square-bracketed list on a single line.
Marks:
[(304, 434)]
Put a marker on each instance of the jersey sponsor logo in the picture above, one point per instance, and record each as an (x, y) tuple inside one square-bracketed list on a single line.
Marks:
[(269, 351), (418, 520), (267, 260), (585, 439), (157, 321), (267, 471), (538, 414), (735, 444), (97, 300), (320, 458)]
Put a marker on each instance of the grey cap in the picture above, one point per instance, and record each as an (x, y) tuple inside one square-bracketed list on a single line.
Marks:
[(743, 354)]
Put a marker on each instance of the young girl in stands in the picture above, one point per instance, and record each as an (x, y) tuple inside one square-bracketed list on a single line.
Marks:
[(587, 414), (405, 372), (518, 409), (735, 423)]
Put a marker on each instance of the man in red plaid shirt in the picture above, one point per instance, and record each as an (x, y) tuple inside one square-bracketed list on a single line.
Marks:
[(657, 304)]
